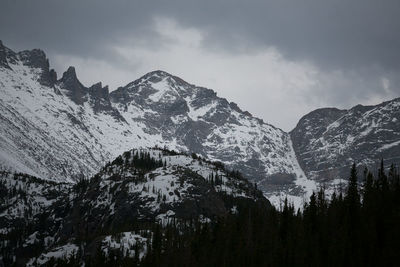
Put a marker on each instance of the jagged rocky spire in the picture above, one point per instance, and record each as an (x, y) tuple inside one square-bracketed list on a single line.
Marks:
[(6, 56), (36, 58), (97, 91), (72, 86)]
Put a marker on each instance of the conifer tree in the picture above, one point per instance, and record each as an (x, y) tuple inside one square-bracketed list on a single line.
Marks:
[(353, 197)]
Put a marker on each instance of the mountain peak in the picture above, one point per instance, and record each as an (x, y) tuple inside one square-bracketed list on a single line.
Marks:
[(34, 58), (98, 91), (154, 76), (70, 80), (75, 90), (159, 73), (154, 85), (97, 85), (3, 56), (70, 72)]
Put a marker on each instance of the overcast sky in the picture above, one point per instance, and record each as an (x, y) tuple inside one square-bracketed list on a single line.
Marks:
[(277, 59)]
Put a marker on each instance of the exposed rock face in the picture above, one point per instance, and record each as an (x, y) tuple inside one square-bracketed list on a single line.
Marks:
[(328, 141), (100, 101), (6, 56), (72, 87), (36, 58)]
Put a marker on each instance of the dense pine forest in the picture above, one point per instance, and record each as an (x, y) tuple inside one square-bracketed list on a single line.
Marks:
[(357, 226)]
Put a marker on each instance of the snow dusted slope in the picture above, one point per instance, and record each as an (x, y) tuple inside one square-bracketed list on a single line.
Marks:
[(58, 129), (43, 133), (47, 132), (23, 197), (328, 141), (194, 119), (118, 209), (157, 185)]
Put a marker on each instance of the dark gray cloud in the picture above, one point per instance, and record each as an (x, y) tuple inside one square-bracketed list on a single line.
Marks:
[(336, 33), (84, 28), (352, 43)]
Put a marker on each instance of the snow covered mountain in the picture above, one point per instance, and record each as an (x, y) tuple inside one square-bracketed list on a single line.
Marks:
[(118, 208), (60, 130), (327, 141)]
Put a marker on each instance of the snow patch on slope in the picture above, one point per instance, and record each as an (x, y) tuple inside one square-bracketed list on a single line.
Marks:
[(128, 242), (390, 145), (62, 252), (164, 92)]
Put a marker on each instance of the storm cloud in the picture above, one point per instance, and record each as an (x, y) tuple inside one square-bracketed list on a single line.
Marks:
[(277, 59)]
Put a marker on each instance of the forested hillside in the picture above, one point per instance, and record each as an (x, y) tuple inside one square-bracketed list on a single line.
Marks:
[(357, 226)]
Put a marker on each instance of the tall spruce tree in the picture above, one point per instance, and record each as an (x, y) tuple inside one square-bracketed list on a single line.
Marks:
[(353, 197), (353, 218)]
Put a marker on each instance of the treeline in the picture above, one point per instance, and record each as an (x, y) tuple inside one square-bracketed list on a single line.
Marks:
[(141, 160), (144, 161), (358, 227)]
